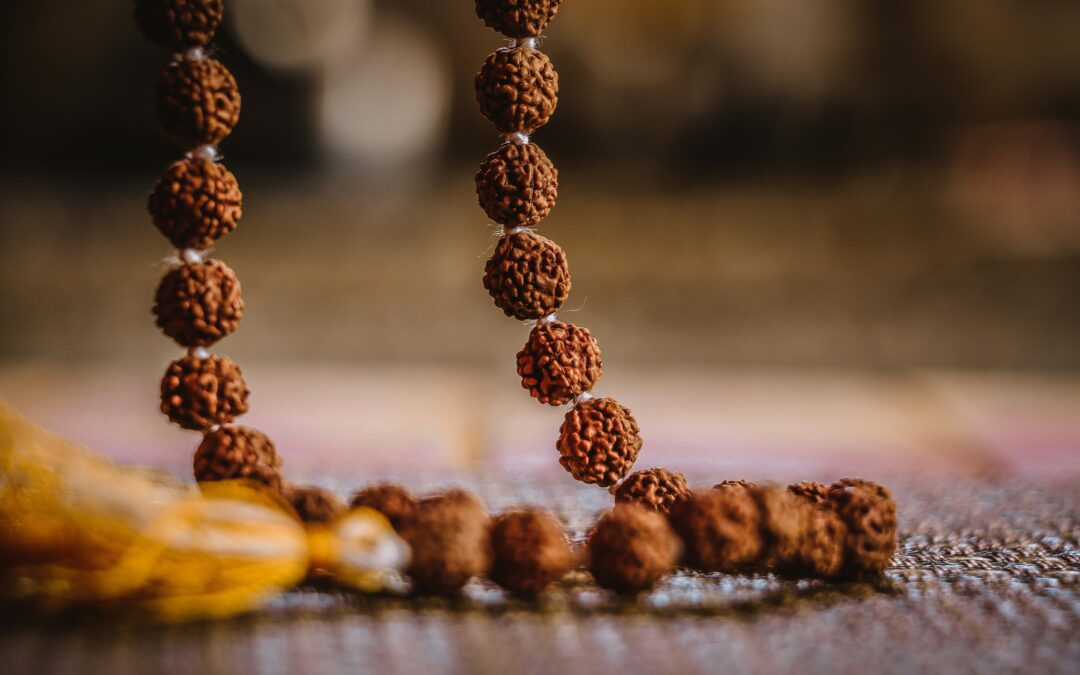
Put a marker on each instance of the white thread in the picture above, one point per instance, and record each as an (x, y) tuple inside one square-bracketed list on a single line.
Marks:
[(550, 318), (201, 353), (513, 230), (518, 137), (207, 152), (528, 43), (194, 54), (583, 396), (191, 256)]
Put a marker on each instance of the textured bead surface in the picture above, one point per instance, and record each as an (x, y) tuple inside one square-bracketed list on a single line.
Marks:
[(719, 529), (527, 276), (198, 394), (821, 549), (448, 535), (810, 491), (195, 203), (740, 484), (517, 18), (782, 525), (179, 24), (393, 501), (869, 514), (230, 453), (517, 185), (530, 551), (599, 441), (657, 489), (198, 304), (559, 362), (198, 102), (314, 504), (517, 90), (631, 548)]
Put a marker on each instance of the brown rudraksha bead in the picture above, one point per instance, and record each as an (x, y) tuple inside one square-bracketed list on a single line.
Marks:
[(720, 530), (517, 89), (599, 441), (869, 513), (195, 203), (658, 489), (179, 24), (517, 18), (198, 102), (631, 548), (199, 393), (314, 504), (393, 501), (530, 551), (517, 185), (237, 453), (560, 362), (810, 491), (448, 535), (527, 276), (198, 304), (821, 547), (782, 525)]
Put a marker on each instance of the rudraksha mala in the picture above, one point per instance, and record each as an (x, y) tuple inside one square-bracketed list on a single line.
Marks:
[(517, 90), (197, 201)]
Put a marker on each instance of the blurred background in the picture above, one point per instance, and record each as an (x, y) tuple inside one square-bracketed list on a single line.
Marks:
[(812, 238)]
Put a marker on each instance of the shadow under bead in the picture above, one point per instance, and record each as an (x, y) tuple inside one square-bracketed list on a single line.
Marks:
[(195, 203), (237, 453), (179, 24), (198, 102), (517, 185), (448, 536), (657, 489), (198, 394), (314, 504), (517, 18), (527, 276), (530, 551), (517, 89), (599, 441), (199, 304), (559, 362), (869, 513), (631, 548), (395, 502), (720, 530)]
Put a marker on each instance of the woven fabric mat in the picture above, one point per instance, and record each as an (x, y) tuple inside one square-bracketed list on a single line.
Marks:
[(987, 579)]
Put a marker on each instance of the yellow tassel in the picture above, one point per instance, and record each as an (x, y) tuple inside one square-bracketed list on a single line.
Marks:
[(78, 530)]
